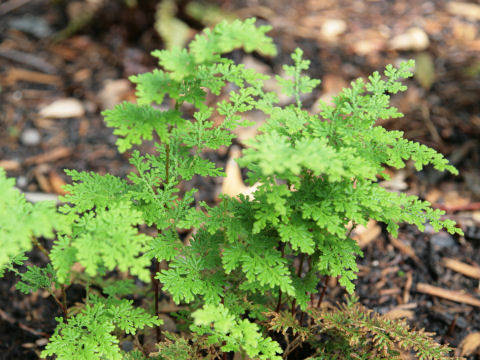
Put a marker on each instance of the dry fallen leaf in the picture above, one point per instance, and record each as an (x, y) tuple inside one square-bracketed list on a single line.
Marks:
[(332, 84), (233, 184), (114, 92), (365, 235), (63, 108), (469, 344), (397, 181)]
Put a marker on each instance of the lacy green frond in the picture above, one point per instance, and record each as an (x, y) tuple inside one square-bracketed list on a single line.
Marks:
[(137, 123), (107, 238), (89, 334), (21, 220), (91, 190), (235, 334)]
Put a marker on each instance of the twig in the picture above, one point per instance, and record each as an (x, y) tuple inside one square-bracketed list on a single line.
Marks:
[(11, 5), (6, 317), (454, 208), (28, 59)]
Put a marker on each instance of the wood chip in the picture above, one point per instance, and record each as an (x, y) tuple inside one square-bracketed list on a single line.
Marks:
[(469, 344), (462, 268), (56, 182), (10, 165), (397, 313), (407, 288), (391, 291), (28, 59), (452, 295), (468, 10), (14, 75), (49, 156), (404, 249)]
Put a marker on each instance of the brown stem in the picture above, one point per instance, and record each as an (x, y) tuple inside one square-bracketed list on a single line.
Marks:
[(279, 302), (63, 303), (40, 247), (156, 289), (322, 295), (299, 273), (156, 282)]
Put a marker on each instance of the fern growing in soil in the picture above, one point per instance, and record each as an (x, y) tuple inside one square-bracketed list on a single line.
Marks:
[(251, 270)]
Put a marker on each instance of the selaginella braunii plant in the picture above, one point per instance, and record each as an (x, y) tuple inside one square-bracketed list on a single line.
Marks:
[(252, 271)]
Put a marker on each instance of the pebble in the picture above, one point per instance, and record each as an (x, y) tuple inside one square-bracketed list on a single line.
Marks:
[(442, 240), (127, 346), (33, 25), (30, 137), (22, 182)]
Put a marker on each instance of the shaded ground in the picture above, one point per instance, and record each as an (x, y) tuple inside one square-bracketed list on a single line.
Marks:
[(344, 40)]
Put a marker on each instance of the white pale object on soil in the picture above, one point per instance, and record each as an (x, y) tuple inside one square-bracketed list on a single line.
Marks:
[(30, 137), (413, 39), (63, 108), (332, 28)]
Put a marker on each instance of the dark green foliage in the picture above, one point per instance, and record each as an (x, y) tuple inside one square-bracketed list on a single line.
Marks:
[(316, 178)]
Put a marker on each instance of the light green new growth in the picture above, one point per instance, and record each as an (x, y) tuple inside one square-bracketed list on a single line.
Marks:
[(316, 179), (235, 334), (20, 221)]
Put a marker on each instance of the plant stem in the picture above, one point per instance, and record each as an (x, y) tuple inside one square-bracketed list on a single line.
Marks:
[(322, 295), (299, 273), (63, 303), (156, 282), (279, 302), (40, 247), (156, 289)]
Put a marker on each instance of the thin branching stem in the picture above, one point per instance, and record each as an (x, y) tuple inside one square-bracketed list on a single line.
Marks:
[(63, 303), (279, 302), (299, 273), (40, 247), (324, 290)]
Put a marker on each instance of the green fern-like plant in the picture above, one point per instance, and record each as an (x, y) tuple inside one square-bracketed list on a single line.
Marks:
[(315, 175)]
